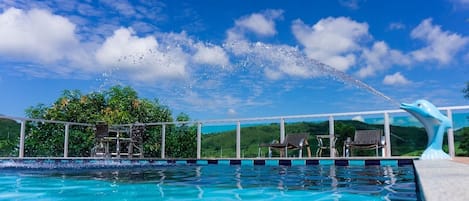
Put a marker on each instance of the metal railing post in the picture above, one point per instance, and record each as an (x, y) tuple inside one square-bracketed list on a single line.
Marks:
[(22, 136), (238, 139), (331, 137), (451, 149), (199, 139), (282, 130), (163, 139), (387, 135), (66, 140)]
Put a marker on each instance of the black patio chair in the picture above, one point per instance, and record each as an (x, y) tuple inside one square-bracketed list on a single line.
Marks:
[(291, 142), (366, 140)]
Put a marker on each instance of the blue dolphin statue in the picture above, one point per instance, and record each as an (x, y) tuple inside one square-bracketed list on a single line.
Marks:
[(435, 125)]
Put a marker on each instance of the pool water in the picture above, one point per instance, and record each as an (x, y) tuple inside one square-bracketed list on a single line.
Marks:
[(211, 182)]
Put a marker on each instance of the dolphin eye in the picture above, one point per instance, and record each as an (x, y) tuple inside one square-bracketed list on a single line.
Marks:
[(418, 105)]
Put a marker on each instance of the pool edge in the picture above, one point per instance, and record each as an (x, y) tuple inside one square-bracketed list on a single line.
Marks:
[(442, 180)]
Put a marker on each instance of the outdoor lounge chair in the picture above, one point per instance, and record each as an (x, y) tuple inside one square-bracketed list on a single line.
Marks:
[(365, 140), (101, 131), (292, 142)]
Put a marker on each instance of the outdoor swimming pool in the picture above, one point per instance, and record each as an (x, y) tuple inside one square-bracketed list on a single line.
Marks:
[(235, 180)]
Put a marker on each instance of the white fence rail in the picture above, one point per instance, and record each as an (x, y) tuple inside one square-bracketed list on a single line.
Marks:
[(238, 122)]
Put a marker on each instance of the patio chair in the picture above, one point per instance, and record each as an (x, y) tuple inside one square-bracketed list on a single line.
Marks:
[(324, 142), (365, 140), (101, 131), (137, 136), (291, 142)]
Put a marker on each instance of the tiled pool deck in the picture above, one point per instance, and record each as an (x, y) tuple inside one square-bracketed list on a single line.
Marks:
[(438, 179)]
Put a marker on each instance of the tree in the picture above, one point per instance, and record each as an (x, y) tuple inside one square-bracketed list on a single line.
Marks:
[(118, 105), (465, 132), (9, 137), (464, 145), (181, 140)]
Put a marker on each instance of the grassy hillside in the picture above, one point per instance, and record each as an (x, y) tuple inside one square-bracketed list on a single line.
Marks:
[(404, 140), (9, 137)]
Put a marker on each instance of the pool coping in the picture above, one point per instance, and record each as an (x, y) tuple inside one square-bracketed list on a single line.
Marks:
[(442, 180)]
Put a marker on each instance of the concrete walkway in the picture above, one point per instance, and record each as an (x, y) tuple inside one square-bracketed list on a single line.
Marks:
[(443, 179)]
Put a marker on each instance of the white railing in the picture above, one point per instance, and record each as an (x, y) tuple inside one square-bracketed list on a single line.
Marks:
[(281, 119)]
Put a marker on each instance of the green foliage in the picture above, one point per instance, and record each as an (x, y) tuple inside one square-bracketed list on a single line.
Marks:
[(9, 137), (118, 105), (464, 140)]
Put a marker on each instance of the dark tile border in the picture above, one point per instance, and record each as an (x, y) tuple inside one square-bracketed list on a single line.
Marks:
[(81, 162), (212, 162), (402, 162), (372, 162), (341, 162), (192, 161), (284, 162), (259, 162), (312, 162), (235, 162)]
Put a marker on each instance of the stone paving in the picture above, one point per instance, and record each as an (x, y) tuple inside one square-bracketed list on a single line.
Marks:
[(444, 179)]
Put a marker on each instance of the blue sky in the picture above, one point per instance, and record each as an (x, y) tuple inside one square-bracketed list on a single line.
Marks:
[(228, 59)]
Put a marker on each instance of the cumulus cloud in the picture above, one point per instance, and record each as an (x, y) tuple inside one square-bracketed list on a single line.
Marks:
[(212, 55), (141, 56), (441, 46), (395, 79), (379, 58), (261, 24), (38, 35), (332, 41)]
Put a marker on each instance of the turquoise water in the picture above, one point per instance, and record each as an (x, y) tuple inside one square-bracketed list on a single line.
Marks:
[(211, 182)]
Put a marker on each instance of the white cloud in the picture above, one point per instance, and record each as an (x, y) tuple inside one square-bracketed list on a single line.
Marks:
[(332, 41), (142, 58), (395, 79), (396, 26), (441, 45), (38, 35), (262, 24), (379, 58), (358, 118), (212, 55), (258, 24), (351, 4), (123, 7), (231, 112), (460, 4)]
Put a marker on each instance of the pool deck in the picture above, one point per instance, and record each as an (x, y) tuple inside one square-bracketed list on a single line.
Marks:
[(444, 179)]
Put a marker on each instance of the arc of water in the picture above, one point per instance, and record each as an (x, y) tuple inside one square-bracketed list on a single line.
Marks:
[(261, 53)]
